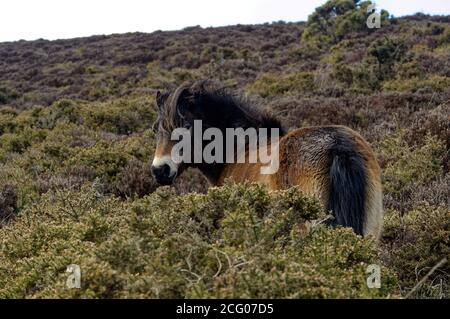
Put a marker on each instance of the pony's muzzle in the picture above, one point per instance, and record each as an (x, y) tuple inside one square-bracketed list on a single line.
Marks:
[(163, 174)]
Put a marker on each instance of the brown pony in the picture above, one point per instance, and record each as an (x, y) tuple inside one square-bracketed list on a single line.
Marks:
[(332, 163)]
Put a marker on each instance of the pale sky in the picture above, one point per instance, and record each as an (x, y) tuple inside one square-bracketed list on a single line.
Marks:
[(61, 19)]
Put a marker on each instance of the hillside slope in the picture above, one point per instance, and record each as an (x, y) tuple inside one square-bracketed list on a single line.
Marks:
[(75, 143)]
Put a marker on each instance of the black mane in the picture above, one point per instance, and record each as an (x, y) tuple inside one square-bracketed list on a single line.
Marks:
[(216, 107)]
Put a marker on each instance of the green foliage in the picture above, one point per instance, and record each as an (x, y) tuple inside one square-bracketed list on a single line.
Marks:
[(235, 241), (435, 83), (387, 51), (342, 73), (406, 166), (71, 143), (18, 143), (272, 85), (416, 242), (335, 19), (7, 94), (378, 64), (8, 203), (7, 114)]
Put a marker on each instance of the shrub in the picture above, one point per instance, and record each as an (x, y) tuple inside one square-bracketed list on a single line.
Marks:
[(335, 19), (406, 167), (135, 179), (19, 142), (7, 116), (379, 62), (272, 85), (387, 51), (434, 83), (65, 111), (408, 70), (7, 95), (121, 117), (235, 241), (415, 242), (8, 203), (106, 161), (342, 73)]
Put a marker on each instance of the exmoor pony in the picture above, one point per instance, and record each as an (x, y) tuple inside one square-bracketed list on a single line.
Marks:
[(333, 163)]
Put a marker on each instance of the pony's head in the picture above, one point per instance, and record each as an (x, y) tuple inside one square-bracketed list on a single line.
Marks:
[(176, 109), (216, 107)]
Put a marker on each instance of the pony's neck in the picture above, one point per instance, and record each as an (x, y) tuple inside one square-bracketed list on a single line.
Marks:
[(222, 111), (212, 172)]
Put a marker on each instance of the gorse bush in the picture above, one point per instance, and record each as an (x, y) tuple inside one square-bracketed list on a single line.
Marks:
[(379, 62), (434, 83), (272, 85), (7, 94), (70, 143), (8, 203), (234, 242), (406, 168), (416, 242)]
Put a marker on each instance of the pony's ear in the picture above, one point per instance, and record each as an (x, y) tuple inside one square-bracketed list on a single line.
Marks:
[(159, 99)]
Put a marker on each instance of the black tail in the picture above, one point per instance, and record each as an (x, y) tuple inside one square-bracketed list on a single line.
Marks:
[(347, 189)]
